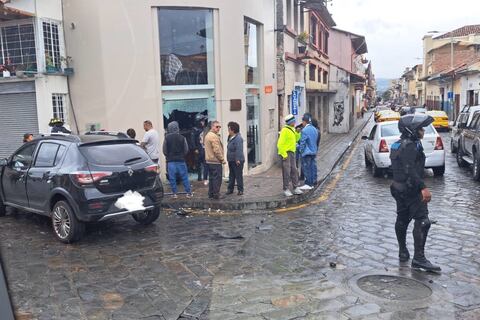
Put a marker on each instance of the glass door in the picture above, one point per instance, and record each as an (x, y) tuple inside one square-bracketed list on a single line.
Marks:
[(253, 126)]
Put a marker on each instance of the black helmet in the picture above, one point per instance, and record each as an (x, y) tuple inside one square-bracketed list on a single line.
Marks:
[(411, 123)]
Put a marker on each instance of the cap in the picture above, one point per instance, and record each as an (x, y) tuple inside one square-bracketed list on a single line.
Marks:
[(289, 119)]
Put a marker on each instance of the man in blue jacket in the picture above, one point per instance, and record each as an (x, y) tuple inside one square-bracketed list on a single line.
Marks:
[(308, 149)]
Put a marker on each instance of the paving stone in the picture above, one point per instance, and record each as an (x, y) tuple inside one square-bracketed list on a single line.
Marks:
[(362, 310)]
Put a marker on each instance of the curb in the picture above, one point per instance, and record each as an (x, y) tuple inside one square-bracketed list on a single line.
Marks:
[(265, 204)]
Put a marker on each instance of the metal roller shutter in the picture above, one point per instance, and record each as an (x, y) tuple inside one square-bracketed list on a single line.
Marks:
[(18, 115)]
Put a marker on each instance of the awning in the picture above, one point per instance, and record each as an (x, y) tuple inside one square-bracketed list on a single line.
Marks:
[(8, 13), (321, 91)]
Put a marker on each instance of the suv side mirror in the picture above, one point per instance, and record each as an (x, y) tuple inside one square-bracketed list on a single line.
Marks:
[(3, 162)]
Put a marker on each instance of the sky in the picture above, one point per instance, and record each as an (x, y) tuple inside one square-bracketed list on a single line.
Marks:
[(394, 28)]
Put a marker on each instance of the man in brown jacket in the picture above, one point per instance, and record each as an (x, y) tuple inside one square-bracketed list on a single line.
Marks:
[(214, 157)]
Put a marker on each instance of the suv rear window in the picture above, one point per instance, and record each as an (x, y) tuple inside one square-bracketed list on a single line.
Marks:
[(113, 154)]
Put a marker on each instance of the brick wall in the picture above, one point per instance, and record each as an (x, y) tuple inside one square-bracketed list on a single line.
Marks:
[(461, 55)]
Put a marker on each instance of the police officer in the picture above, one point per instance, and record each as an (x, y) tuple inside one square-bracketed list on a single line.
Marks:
[(409, 190), (57, 126)]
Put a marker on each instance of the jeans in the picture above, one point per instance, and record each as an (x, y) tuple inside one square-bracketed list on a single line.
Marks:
[(202, 169), (309, 165), (236, 173), (178, 168), (215, 179)]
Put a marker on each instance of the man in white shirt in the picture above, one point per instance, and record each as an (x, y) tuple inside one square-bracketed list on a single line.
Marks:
[(151, 141)]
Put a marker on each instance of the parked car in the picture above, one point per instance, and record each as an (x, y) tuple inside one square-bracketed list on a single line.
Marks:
[(440, 119), (384, 134), (463, 120), (77, 179), (387, 115), (468, 152)]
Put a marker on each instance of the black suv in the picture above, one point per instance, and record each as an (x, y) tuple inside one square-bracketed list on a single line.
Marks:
[(468, 152), (78, 179)]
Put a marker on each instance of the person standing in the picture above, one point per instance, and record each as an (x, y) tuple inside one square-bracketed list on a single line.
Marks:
[(175, 148), (235, 158), (198, 147), (409, 190), (308, 151), (151, 141), (287, 145), (214, 157)]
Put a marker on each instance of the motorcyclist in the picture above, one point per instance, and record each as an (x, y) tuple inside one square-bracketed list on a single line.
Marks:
[(57, 126), (409, 190)]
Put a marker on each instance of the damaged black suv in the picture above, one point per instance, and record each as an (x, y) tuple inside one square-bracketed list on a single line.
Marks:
[(78, 179)]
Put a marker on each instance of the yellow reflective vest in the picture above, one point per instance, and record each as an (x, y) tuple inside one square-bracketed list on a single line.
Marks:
[(287, 142)]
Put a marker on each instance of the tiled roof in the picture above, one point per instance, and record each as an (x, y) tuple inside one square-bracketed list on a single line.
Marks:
[(461, 32)]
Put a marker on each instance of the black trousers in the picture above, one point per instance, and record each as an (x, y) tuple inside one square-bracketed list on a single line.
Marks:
[(236, 174), (215, 179)]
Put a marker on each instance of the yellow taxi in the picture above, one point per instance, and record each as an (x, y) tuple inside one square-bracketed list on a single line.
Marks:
[(386, 115), (440, 119)]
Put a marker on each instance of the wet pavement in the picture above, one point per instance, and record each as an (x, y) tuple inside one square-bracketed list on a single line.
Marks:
[(302, 263)]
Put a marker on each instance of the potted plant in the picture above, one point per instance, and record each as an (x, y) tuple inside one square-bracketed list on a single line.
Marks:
[(303, 40), (50, 66), (67, 70), (6, 68)]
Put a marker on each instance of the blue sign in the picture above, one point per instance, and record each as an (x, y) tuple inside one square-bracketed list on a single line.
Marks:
[(295, 96), (450, 95)]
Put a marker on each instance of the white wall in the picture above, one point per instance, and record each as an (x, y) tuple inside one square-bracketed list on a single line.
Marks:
[(45, 86), (470, 82), (338, 101)]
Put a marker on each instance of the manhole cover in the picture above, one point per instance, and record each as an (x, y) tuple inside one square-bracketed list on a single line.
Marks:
[(393, 287)]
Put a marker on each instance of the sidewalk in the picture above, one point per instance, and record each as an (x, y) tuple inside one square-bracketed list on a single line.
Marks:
[(264, 191)]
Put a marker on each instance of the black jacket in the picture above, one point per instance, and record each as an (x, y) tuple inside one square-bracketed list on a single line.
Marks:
[(408, 164), (175, 146)]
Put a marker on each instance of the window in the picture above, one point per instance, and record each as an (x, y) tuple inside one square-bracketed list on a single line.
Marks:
[(289, 13), (60, 154), (325, 42), (186, 46), (17, 46), (474, 122), (325, 77), (372, 133), (312, 71), (296, 15), (252, 43), (58, 104), (46, 155), (112, 154), (313, 30), (23, 158), (52, 45), (320, 73)]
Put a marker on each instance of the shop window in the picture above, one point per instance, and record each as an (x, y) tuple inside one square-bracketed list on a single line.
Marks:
[(52, 45), (186, 46), (312, 71), (17, 47), (58, 104)]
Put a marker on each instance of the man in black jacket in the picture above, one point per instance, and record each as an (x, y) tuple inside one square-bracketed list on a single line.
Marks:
[(175, 148), (409, 190)]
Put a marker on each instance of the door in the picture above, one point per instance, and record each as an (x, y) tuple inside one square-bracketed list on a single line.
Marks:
[(371, 142), (469, 134), (253, 127), (15, 174), (40, 175), (18, 114)]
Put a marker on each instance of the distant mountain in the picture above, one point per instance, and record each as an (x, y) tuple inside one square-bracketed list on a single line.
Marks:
[(383, 84)]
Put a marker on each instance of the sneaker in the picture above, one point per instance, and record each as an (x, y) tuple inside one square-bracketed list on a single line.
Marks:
[(205, 183), (189, 195), (175, 196), (288, 193), (297, 191), (306, 187)]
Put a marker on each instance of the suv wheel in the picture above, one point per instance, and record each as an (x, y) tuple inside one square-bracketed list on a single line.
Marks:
[(461, 163), (438, 171), (65, 224), (476, 168), (147, 217), (3, 208)]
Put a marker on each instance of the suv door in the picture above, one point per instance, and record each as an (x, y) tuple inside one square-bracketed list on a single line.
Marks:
[(469, 134), (15, 174), (371, 142), (40, 175)]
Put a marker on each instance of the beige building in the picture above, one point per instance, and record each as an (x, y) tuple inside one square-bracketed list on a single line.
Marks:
[(168, 60)]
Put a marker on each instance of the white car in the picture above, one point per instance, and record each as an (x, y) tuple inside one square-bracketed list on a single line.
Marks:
[(384, 134)]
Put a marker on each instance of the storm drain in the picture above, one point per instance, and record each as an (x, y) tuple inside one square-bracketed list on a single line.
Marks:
[(394, 288)]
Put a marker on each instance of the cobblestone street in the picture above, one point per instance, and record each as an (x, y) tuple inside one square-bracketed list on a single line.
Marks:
[(290, 264)]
